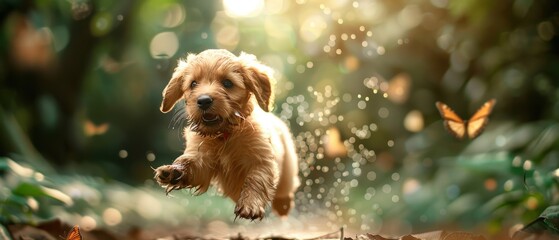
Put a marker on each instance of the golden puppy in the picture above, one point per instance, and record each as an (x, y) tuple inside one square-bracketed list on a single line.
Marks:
[(232, 140)]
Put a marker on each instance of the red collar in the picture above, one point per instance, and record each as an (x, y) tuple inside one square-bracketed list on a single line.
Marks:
[(225, 135)]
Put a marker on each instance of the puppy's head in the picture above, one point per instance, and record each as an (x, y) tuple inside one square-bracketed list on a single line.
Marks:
[(219, 89)]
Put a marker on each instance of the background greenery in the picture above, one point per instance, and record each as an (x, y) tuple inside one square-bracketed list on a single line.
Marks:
[(81, 85)]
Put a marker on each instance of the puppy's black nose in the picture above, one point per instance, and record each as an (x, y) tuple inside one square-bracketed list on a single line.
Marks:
[(204, 101)]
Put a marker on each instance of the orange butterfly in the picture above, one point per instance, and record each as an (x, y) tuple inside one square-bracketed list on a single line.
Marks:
[(74, 234), (472, 127), (91, 129)]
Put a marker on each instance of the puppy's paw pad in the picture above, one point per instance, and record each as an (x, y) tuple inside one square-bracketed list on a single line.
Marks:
[(169, 175)]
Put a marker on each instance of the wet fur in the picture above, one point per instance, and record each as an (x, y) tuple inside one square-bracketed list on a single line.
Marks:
[(249, 153)]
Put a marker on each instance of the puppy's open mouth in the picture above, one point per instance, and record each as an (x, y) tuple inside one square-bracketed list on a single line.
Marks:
[(210, 118)]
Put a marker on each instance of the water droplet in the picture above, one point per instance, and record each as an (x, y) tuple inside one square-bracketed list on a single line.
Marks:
[(383, 112), (310, 64), (361, 104), (386, 188), (371, 176), (353, 183)]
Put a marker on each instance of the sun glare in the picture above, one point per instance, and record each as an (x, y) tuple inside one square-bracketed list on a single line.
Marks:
[(248, 8)]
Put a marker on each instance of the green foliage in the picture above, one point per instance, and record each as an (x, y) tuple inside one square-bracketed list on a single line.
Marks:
[(27, 196), (547, 224), (22, 196)]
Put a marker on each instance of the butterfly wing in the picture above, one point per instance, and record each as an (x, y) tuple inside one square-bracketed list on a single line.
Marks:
[(477, 122), (74, 234), (452, 122)]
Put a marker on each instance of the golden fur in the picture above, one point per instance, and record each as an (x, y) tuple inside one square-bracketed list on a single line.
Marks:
[(232, 142)]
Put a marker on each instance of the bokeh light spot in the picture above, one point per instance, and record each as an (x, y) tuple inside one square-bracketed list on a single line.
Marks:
[(227, 37), (411, 186), (148, 207), (276, 6), (410, 16), (527, 165), (381, 50), (361, 104), (531, 203), (351, 63), (150, 156), (509, 185), (123, 153), (383, 112), (386, 188), (490, 184), (413, 121), (371, 176), (395, 176), (225, 31), (174, 15), (101, 24), (88, 223), (399, 88), (164, 45), (248, 8), (112, 216)]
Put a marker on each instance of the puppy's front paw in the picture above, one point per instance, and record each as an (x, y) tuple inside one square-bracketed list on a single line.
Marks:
[(251, 212), (172, 177)]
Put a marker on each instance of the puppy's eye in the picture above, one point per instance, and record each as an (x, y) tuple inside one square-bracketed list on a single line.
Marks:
[(227, 83), (193, 84)]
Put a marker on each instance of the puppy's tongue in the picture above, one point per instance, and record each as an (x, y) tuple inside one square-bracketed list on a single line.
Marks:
[(210, 117)]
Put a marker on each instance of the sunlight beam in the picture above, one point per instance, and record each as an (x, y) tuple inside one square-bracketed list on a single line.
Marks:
[(248, 8)]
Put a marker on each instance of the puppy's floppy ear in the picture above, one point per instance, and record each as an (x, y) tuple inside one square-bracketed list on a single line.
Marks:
[(258, 80), (173, 91)]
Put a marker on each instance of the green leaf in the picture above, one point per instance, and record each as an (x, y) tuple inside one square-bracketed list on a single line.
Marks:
[(551, 218), (17, 200), (487, 162), (32, 190), (3, 163), (547, 223), (28, 189)]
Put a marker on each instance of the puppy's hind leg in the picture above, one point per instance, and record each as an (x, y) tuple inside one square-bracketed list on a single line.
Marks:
[(288, 181)]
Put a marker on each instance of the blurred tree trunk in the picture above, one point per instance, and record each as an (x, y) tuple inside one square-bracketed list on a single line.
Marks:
[(60, 79)]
